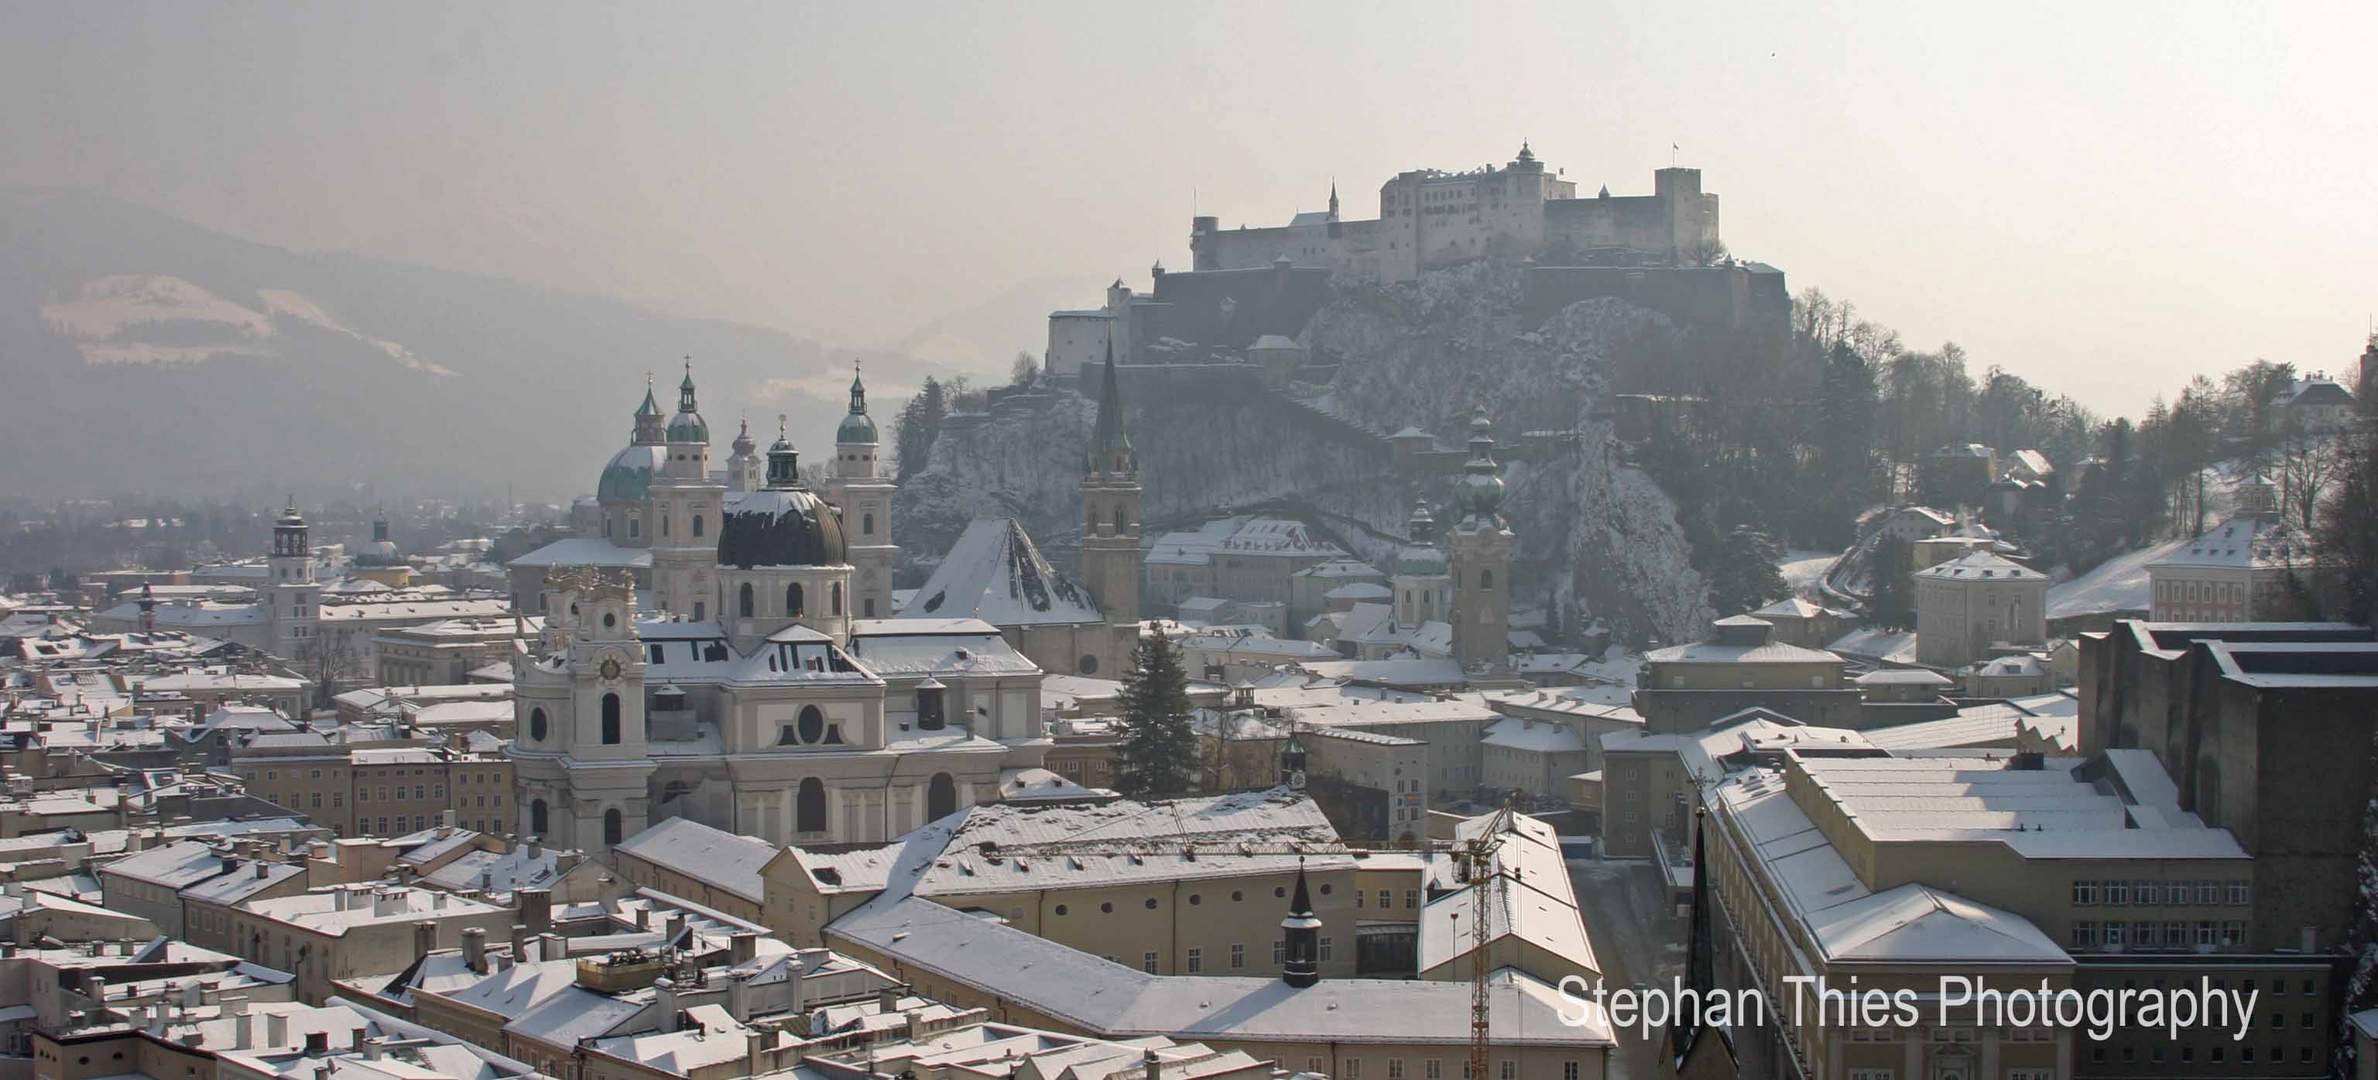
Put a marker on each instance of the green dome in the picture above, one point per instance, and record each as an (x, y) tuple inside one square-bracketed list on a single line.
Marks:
[(688, 427), (856, 428)]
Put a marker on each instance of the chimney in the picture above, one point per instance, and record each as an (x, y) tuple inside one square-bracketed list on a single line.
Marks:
[(425, 938), (552, 947), (739, 996), (386, 903), (644, 918), (887, 1000), (674, 927), (1152, 1065), (745, 946), (243, 1030), (755, 1047), (916, 1024), (519, 943), (262, 869), (317, 1043), (474, 949), (536, 848), (276, 1030), (536, 909), (664, 1001)]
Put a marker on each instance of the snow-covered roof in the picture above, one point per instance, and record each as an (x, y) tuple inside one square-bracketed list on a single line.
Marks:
[(1978, 566), (995, 573), (711, 856), (893, 648), (1904, 677), (1535, 736), (998, 847), (1718, 652), (586, 551), (2243, 542)]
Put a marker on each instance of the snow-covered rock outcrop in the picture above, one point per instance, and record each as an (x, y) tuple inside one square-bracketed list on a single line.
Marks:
[(1598, 536)]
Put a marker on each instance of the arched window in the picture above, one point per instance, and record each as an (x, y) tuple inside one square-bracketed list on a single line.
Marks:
[(941, 797), (539, 822), (1486, 579), (743, 600), (697, 524), (812, 725), (792, 600), (809, 807), (610, 719), (836, 592), (866, 524), (536, 724), (611, 827)]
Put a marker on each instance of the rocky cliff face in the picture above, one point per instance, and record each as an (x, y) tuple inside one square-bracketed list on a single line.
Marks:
[(1598, 538)]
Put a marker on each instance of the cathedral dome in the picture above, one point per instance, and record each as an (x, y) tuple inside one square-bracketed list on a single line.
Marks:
[(688, 426), (856, 428), (780, 526), (630, 472)]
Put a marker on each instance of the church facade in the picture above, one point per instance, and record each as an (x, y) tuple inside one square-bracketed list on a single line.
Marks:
[(726, 652)]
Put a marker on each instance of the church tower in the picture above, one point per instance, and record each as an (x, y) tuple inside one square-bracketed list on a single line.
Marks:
[(743, 466), (686, 504), (1301, 931), (1110, 508), (1481, 544), (294, 596), (1423, 584), (580, 756), (865, 499)]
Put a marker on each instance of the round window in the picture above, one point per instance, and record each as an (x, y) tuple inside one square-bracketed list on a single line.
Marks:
[(1151, 903), (1060, 909), (1108, 909), (1088, 664)]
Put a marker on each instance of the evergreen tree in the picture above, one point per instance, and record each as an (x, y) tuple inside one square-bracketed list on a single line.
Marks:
[(1158, 758), (1888, 602), (2348, 529), (1744, 576), (918, 425), (1846, 399)]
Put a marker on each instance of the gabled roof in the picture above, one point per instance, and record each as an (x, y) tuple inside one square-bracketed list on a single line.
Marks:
[(995, 573), (1978, 566), (712, 856)]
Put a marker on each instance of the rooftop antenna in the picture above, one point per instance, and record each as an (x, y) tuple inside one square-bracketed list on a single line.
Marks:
[(1672, 149)]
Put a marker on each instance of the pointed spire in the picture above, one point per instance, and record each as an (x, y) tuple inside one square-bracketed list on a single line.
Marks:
[(1333, 198), (858, 391), (685, 388), (1110, 448), (1302, 931), (651, 406)]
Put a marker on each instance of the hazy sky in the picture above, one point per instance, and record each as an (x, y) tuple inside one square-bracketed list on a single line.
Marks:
[(2104, 198)]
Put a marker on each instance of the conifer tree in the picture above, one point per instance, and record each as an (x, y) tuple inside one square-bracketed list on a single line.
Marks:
[(1158, 758)]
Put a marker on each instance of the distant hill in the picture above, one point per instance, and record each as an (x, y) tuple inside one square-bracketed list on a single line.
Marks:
[(143, 354)]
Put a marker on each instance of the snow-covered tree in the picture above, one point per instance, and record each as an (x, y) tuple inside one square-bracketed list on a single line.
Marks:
[(1158, 758)]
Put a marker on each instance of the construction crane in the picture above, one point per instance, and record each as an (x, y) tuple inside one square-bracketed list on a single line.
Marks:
[(1477, 858)]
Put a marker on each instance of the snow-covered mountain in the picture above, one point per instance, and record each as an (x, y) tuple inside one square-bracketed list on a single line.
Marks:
[(145, 354), (1595, 534)]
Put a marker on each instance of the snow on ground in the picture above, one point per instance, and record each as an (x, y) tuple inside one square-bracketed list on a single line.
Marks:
[(1803, 569), (2117, 584)]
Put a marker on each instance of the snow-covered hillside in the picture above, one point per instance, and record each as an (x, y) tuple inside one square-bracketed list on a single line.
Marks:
[(1600, 536)]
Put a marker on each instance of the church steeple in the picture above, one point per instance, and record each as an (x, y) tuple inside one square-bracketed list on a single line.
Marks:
[(688, 426), (858, 429), (1110, 447), (784, 463), (1302, 932), (1333, 200)]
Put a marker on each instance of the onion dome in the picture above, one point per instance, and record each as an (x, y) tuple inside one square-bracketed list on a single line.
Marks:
[(783, 524), (857, 427), (629, 474), (1481, 495), (1421, 526), (743, 445), (687, 426)]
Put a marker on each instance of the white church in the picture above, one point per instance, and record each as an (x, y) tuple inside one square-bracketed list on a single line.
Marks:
[(723, 648)]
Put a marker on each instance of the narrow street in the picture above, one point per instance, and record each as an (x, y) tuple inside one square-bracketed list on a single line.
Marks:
[(1638, 941)]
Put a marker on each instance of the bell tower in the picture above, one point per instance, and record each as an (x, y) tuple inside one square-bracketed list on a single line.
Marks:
[(686, 504), (864, 496), (1481, 544), (580, 753), (295, 597), (1110, 508)]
